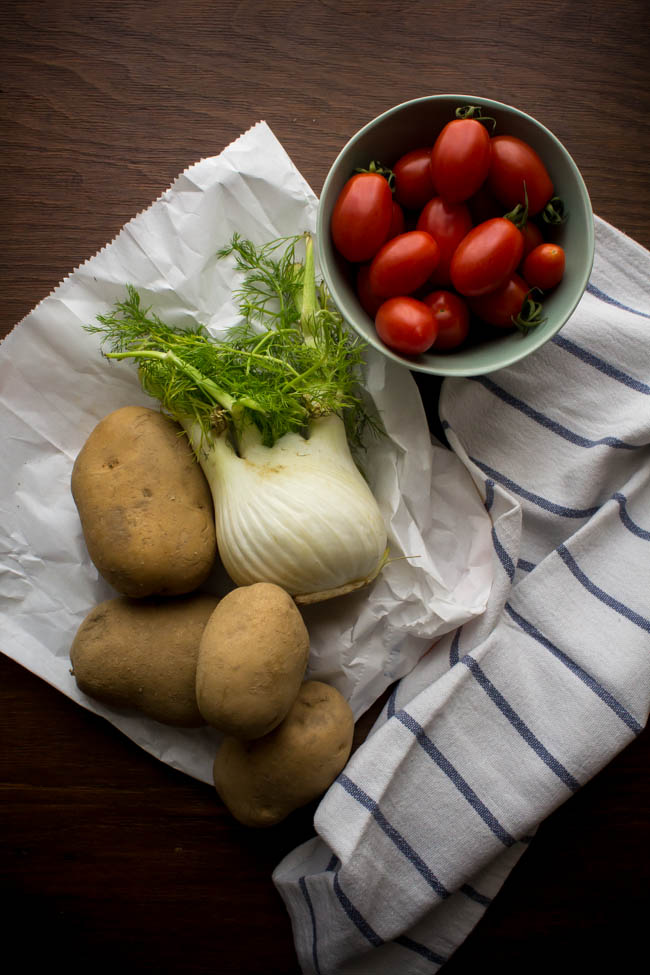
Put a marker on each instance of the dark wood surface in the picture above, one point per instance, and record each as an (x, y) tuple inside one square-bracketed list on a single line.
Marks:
[(111, 861)]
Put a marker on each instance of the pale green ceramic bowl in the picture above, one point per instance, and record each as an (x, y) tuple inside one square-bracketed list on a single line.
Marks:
[(416, 123)]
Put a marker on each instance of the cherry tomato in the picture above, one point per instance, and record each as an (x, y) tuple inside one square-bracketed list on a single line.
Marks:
[(361, 216), (452, 318), (460, 159), (532, 237), (413, 183), (406, 325), (447, 223), (370, 301), (514, 163), (397, 221), (403, 264), (486, 257), (500, 307), (544, 266)]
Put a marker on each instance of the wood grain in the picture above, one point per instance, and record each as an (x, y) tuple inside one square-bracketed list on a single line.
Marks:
[(109, 859)]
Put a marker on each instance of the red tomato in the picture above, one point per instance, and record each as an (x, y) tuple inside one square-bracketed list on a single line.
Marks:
[(361, 216), (532, 237), (452, 318), (500, 307), (460, 159), (403, 264), (486, 257), (447, 223), (397, 221), (406, 325), (544, 266), (514, 163), (413, 183), (370, 302)]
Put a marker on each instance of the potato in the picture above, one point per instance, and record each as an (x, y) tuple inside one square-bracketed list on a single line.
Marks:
[(144, 504), (142, 654), (262, 781), (252, 660)]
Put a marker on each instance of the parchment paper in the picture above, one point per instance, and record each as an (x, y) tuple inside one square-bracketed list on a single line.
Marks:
[(55, 386)]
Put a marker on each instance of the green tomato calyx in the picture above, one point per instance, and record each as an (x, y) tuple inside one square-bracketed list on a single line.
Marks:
[(475, 112), (376, 167), (554, 212), (519, 214), (530, 315)]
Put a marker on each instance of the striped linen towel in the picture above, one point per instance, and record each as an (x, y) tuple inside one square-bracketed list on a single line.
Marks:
[(505, 718)]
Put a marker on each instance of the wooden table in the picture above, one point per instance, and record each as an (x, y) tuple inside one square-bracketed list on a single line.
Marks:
[(111, 861)]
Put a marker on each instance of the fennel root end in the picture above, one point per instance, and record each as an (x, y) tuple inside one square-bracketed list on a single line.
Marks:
[(305, 599)]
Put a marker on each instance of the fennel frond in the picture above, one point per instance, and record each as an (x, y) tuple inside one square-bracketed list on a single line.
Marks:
[(290, 361)]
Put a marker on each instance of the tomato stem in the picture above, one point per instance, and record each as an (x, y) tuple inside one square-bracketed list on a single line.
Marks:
[(377, 167), (530, 315), (475, 112), (554, 212), (519, 214)]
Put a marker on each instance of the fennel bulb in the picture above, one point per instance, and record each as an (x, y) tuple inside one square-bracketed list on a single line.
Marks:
[(298, 513), (271, 411)]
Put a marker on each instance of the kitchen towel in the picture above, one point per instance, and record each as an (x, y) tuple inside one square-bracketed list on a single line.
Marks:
[(510, 714)]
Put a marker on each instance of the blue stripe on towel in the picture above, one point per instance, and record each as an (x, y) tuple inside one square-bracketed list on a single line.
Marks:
[(599, 593), (393, 834), (525, 566), (355, 915), (475, 895), (627, 521), (519, 724), (454, 775), (556, 509), (597, 293), (546, 421), (605, 696), (453, 650), (605, 367), (504, 557), (314, 954), (489, 494), (412, 945)]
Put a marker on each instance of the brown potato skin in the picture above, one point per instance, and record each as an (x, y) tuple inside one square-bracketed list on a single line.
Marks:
[(142, 654), (262, 781), (252, 660), (145, 506)]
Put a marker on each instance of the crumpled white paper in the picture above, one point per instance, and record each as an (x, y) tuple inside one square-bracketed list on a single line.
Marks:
[(55, 387)]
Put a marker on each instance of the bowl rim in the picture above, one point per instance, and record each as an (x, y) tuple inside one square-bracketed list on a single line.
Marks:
[(535, 340)]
